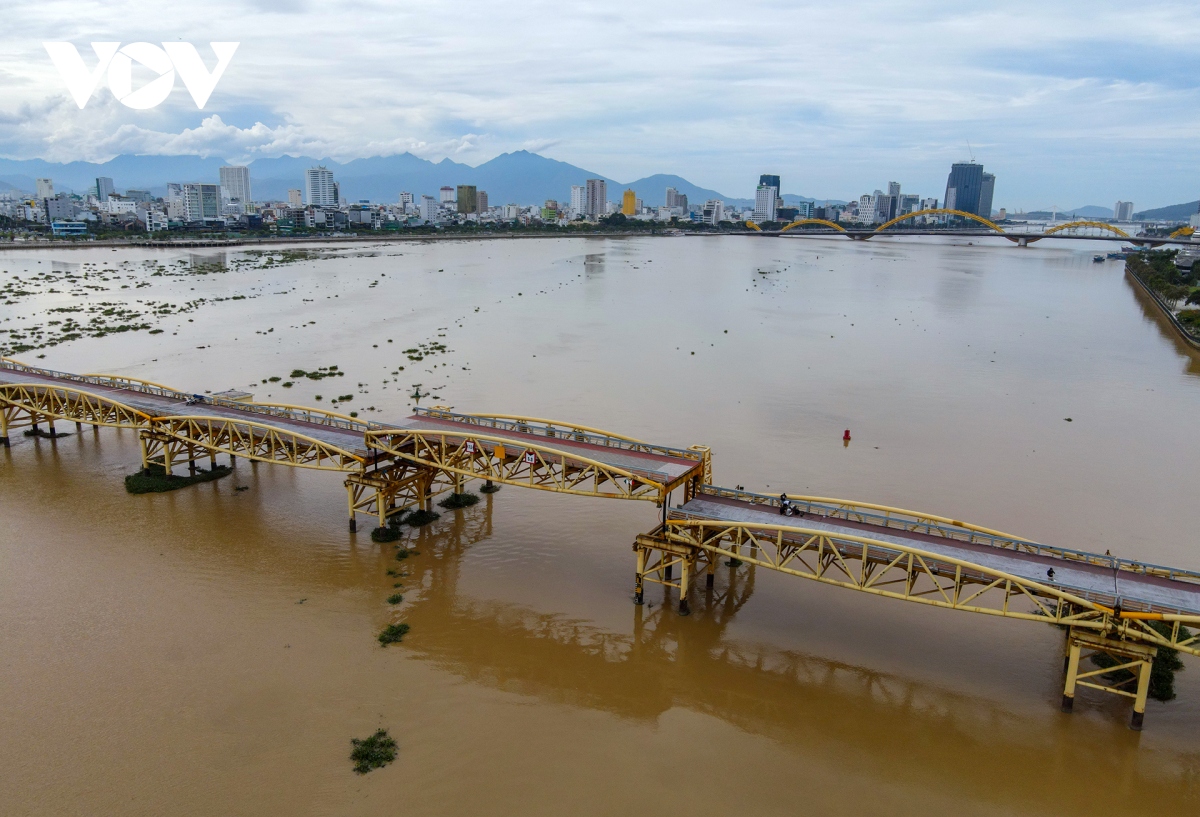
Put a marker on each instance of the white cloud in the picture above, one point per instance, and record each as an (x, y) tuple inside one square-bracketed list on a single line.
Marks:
[(837, 98)]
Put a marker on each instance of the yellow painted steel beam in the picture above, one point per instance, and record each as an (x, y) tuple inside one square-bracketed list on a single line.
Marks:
[(1099, 225), (65, 403), (1183, 232), (941, 211), (751, 225), (934, 525), (442, 411), (257, 441), (908, 573), (526, 464), (802, 221)]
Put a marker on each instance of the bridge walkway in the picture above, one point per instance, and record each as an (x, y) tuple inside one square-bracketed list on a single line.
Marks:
[(1098, 578)]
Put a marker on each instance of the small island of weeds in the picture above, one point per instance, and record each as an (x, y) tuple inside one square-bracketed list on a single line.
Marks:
[(393, 634), (374, 752), (419, 518), (463, 500), (154, 480)]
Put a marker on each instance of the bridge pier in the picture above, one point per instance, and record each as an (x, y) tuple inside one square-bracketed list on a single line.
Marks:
[(1134, 659)]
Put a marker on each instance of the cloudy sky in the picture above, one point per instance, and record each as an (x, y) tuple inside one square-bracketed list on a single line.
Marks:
[(1069, 103)]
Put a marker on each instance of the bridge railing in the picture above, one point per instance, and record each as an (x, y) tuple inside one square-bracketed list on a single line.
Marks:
[(898, 519), (303, 414), (562, 431)]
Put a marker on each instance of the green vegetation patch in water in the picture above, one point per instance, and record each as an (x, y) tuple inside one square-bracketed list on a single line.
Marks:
[(374, 752), (154, 480), (393, 634), (388, 534), (463, 500), (419, 518)]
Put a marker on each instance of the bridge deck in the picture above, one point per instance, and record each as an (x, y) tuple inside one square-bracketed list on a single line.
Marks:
[(658, 467), (1095, 583), (157, 405)]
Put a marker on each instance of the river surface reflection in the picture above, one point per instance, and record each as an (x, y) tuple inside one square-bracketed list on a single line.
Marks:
[(212, 650)]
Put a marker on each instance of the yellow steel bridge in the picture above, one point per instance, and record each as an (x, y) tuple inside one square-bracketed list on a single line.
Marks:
[(1126, 609)]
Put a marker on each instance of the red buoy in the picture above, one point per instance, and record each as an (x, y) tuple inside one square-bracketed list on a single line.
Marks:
[(846, 436)]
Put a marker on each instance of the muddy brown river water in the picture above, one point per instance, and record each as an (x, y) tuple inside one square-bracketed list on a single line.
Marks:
[(212, 650)]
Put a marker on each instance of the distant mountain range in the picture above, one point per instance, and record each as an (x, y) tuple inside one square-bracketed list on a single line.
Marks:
[(521, 177), (1173, 212)]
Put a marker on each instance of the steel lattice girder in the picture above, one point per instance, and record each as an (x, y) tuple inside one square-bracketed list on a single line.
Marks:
[(257, 441), (60, 403), (502, 459), (908, 573)]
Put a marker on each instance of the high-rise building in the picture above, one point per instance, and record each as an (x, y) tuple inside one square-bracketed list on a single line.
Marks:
[(885, 205), (596, 203), (676, 199), (295, 198), (430, 208), (908, 203), (964, 186), (894, 190), (713, 212), (406, 198), (45, 189), (769, 181), (765, 201), (985, 195), (866, 209), (446, 194), (104, 188), (59, 208), (466, 199), (481, 202), (578, 200), (235, 183), (629, 203), (1123, 211), (201, 202), (319, 189)]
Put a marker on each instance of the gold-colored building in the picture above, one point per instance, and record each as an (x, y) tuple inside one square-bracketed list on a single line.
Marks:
[(629, 203)]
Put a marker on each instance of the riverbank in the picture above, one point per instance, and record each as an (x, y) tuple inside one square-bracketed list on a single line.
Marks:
[(1184, 332), (254, 241)]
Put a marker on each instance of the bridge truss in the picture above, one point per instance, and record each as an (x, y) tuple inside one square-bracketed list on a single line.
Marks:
[(909, 573), (398, 468)]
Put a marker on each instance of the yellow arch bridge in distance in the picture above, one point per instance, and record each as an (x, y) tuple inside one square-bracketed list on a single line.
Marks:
[(1106, 605)]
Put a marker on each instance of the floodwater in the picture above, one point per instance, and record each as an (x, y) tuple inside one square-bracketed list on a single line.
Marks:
[(212, 650)]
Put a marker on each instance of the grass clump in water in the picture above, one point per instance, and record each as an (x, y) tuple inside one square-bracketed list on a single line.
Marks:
[(388, 534), (46, 435), (393, 634), (395, 598), (489, 488), (374, 752), (154, 480), (419, 518), (463, 500)]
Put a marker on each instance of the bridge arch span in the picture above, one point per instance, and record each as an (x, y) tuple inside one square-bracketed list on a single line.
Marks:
[(941, 211), (823, 222), (24, 404), (1099, 225)]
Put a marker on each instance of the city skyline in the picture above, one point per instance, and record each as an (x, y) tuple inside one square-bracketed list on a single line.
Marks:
[(1073, 103)]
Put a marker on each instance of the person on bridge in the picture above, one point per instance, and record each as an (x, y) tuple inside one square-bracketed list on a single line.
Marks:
[(785, 505)]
